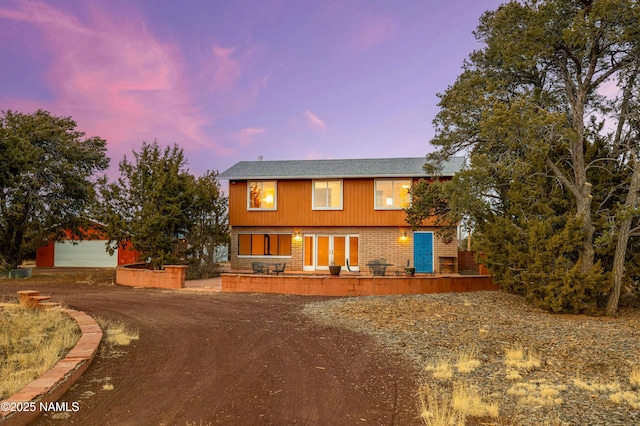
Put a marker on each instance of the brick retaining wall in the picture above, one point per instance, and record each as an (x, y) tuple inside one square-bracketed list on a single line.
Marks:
[(172, 276), (324, 285)]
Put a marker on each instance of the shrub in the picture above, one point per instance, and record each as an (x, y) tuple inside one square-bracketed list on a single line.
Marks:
[(541, 263), (202, 271)]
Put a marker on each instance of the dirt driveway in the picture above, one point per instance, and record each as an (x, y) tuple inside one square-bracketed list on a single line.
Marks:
[(239, 359)]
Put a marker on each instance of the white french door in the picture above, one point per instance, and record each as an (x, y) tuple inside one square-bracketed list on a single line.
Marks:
[(321, 250)]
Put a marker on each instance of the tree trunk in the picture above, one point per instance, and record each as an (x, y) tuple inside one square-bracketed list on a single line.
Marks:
[(623, 240), (12, 255), (583, 187), (618, 267), (586, 252)]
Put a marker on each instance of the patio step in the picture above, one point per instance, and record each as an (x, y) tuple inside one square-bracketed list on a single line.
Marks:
[(32, 299), (25, 296), (48, 305)]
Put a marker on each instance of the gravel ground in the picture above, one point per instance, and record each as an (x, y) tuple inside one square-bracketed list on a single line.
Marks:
[(586, 363)]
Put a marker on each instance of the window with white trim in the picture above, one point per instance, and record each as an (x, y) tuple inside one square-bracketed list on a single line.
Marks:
[(327, 194), (392, 194), (261, 195)]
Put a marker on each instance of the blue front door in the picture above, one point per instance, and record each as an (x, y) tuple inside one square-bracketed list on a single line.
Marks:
[(423, 252)]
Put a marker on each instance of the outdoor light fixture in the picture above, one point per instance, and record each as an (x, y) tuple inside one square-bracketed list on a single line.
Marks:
[(403, 236), (297, 236)]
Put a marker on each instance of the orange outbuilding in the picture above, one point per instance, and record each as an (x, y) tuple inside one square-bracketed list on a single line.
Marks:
[(90, 252)]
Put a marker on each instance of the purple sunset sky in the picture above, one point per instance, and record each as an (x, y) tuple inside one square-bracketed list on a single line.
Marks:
[(232, 80)]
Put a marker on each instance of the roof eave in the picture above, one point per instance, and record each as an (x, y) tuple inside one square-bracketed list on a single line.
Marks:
[(308, 177)]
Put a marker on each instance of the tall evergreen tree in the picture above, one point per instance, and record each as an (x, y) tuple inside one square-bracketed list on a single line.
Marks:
[(149, 204), (164, 211), (210, 228), (46, 181), (553, 154)]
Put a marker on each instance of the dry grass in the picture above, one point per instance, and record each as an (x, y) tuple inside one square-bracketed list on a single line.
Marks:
[(441, 368), (516, 358), (436, 408), (88, 276), (106, 383), (512, 374), (503, 330), (467, 361), (634, 377), (537, 393), (614, 389), (613, 386), (517, 361), (116, 333), (31, 342), (439, 407), (627, 397), (467, 401)]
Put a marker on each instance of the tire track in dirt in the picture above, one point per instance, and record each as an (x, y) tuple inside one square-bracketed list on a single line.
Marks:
[(238, 359)]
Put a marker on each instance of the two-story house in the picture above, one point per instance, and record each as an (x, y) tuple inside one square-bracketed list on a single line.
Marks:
[(311, 213)]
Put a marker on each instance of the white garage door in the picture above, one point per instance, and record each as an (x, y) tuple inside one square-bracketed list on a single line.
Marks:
[(84, 254)]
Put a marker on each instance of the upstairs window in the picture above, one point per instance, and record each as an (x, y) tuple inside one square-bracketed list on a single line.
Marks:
[(262, 195), (392, 194), (327, 194)]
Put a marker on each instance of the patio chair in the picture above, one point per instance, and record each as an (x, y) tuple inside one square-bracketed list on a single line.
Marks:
[(258, 267), (351, 270), (279, 268)]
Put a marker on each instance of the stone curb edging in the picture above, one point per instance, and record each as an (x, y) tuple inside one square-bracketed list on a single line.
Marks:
[(49, 387)]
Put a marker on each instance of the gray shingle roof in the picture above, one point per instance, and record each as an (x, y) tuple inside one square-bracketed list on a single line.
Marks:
[(347, 168)]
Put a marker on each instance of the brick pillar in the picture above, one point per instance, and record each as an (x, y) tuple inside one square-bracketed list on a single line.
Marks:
[(177, 273)]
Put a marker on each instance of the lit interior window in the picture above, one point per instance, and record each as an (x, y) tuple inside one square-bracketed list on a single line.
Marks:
[(392, 194), (262, 195)]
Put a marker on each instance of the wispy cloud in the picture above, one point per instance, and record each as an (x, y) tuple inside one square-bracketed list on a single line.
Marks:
[(372, 31), (247, 136), (226, 70), (119, 80), (315, 122), (40, 13)]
